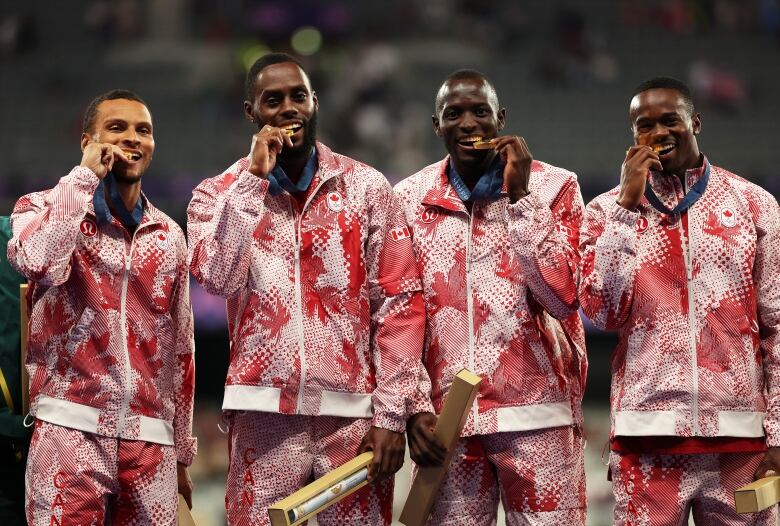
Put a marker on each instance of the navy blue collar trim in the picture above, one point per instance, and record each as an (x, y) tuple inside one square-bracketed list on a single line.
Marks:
[(280, 181), (488, 186), (130, 220)]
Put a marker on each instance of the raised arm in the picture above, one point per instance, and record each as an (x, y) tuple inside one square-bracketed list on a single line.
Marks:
[(545, 237)]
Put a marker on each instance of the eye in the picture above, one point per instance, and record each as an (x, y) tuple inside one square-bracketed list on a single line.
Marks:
[(482, 112), (450, 114), (114, 127), (300, 97), (144, 131), (271, 101)]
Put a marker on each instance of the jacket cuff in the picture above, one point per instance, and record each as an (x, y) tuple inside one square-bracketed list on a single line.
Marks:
[(624, 215), (389, 420), (186, 450), (421, 404), (619, 230), (772, 431), (524, 207), (248, 183), (83, 178)]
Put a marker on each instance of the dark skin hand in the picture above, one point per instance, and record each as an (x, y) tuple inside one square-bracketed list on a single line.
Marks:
[(518, 158), (388, 447), (633, 175), (769, 465), (185, 483), (424, 448), (266, 145)]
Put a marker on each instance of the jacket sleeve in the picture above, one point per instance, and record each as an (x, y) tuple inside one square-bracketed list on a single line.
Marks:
[(608, 263), (184, 380), (397, 309), (546, 238), (46, 227), (221, 219), (766, 277), (421, 403)]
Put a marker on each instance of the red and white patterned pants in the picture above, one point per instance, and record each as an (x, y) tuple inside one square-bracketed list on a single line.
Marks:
[(78, 478), (663, 490), (273, 455), (539, 476)]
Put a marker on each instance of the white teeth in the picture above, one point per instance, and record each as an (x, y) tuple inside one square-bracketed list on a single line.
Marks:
[(290, 129)]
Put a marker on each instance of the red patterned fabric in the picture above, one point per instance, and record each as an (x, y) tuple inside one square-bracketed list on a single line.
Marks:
[(274, 455), (324, 308), (696, 301), (500, 288), (77, 478), (539, 477), (663, 490), (111, 337)]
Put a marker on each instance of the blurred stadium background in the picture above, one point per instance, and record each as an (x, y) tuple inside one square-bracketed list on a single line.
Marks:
[(563, 69)]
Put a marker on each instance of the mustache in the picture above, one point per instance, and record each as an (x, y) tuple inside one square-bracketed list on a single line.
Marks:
[(309, 140), (309, 137)]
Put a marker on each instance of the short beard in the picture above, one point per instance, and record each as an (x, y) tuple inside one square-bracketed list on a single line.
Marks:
[(126, 179), (303, 151)]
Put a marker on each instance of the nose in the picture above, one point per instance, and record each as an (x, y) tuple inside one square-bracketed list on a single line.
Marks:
[(130, 137), (288, 108), (659, 130), (467, 123)]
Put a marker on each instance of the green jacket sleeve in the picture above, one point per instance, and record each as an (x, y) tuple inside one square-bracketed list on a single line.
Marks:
[(11, 427)]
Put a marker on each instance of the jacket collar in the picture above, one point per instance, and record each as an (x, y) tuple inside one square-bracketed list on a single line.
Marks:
[(665, 186), (442, 194), (152, 215)]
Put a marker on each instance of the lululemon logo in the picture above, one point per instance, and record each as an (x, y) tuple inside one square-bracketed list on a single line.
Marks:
[(429, 215), (641, 224), (335, 202), (728, 217), (88, 228)]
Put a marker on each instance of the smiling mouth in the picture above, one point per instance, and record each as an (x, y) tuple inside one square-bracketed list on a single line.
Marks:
[(291, 129), (132, 156), (663, 149), (476, 142)]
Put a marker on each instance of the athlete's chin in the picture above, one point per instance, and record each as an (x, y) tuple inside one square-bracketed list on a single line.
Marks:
[(127, 177)]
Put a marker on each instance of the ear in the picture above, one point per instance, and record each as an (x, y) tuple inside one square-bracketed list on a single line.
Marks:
[(696, 122), (248, 112), (501, 118), (315, 100), (436, 127), (85, 140)]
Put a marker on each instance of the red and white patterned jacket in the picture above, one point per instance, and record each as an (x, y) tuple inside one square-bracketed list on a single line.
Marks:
[(696, 301), (111, 337), (324, 308), (496, 283)]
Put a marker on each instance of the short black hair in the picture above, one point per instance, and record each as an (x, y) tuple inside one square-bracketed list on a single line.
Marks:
[(668, 83), (91, 113), (260, 64), (463, 74)]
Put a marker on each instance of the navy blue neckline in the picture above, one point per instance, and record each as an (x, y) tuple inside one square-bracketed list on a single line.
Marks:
[(693, 195), (488, 185)]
